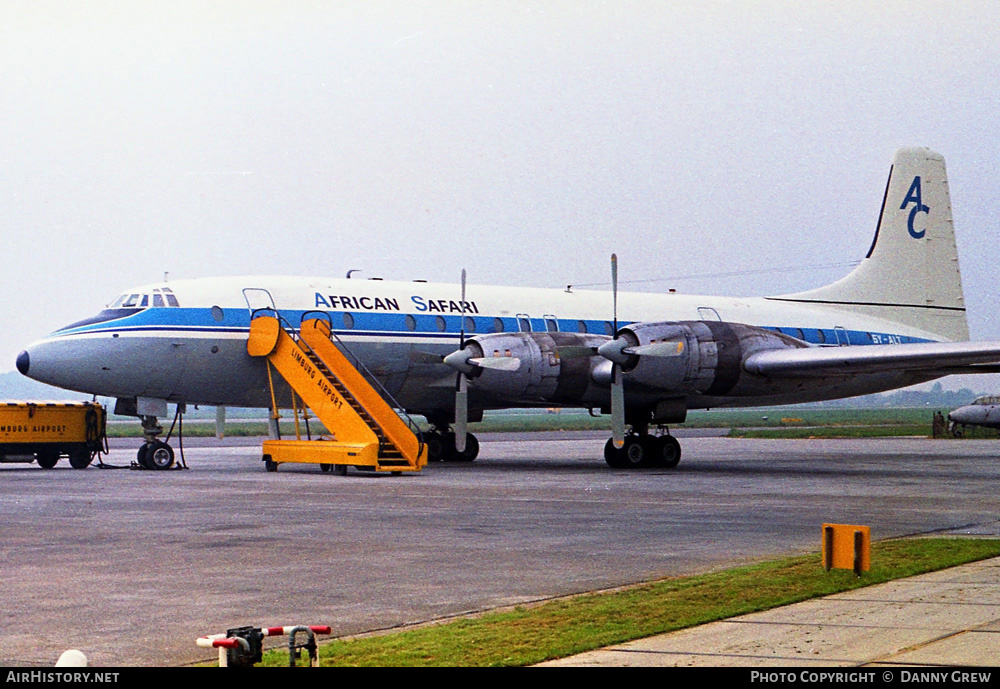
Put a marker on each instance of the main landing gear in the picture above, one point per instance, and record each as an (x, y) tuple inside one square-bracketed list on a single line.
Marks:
[(440, 442), (642, 450)]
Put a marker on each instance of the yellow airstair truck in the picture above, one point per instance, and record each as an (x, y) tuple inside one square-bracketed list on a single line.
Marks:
[(45, 431), (364, 430)]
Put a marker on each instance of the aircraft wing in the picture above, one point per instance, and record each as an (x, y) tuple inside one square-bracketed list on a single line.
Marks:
[(944, 358)]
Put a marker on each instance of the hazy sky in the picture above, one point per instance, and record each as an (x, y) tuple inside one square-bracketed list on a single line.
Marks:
[(743, 142)]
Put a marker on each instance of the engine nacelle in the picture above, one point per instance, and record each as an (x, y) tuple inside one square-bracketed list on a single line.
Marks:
[(708, 360), (555, 367)]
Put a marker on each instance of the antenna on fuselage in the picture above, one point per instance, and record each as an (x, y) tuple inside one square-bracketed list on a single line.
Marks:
[(352, 270)]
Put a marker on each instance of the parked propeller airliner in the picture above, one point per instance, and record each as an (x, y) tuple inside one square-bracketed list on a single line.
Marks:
[(896, 320)]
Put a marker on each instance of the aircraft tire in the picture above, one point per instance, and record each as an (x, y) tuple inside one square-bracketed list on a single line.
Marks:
[(635, 453), (80, 459), (471, 449), (612, 455), (47, 458), (436, 447), (159, 456), (668, 452), (448, 453)]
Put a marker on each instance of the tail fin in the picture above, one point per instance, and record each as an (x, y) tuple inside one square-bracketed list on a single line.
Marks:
[(910, 275)]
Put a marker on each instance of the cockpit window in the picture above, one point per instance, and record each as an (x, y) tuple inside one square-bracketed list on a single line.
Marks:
[(168, 294), (161, 296), (127, 305)]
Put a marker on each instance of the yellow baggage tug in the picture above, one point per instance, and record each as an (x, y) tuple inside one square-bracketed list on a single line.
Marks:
[(45, 431)]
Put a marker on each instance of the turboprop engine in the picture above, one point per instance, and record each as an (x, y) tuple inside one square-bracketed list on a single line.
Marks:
[(694, 357), (673, 360), (525, 368)]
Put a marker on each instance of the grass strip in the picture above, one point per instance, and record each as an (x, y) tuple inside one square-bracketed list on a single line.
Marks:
[(555, 629), (574, 420), (920, 430)]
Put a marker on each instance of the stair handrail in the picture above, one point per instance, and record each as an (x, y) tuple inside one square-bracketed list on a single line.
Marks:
[(358, 364), (294, 334)]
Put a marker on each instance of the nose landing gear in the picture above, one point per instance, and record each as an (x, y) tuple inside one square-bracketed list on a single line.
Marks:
[(157, 454)]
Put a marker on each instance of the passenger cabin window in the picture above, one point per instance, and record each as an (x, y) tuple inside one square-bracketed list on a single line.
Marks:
[(551, 324), (581, 326), (498, 325), (524, 324)]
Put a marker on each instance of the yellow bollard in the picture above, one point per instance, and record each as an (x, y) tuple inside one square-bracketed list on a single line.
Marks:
[(847, 546)]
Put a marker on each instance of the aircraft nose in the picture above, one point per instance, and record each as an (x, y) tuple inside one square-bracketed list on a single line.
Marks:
[(960, 415), (23, 363), (52, 362)]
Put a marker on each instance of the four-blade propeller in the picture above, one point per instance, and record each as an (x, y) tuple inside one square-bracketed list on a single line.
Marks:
[(461, 386), (619, 351)]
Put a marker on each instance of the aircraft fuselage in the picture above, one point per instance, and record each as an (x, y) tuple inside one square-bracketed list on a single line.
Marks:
[(191, 347)]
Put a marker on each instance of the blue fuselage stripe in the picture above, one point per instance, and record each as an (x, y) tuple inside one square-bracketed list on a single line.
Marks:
[(405, 326)]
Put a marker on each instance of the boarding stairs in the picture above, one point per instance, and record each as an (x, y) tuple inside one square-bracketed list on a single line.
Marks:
[(367, 433)]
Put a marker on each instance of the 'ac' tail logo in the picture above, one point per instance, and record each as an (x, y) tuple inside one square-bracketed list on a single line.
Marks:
[(913, 196)]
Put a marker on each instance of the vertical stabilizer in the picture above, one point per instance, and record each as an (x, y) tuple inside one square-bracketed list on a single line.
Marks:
[(910, 274)]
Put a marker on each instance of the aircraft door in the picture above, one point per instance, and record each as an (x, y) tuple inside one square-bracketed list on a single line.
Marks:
[(259, 299)]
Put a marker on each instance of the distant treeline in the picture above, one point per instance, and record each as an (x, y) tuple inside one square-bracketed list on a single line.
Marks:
[(937, 397)]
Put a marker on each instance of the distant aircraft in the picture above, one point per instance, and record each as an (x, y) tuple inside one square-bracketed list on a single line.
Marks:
[(896, 320), (985, 411)]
